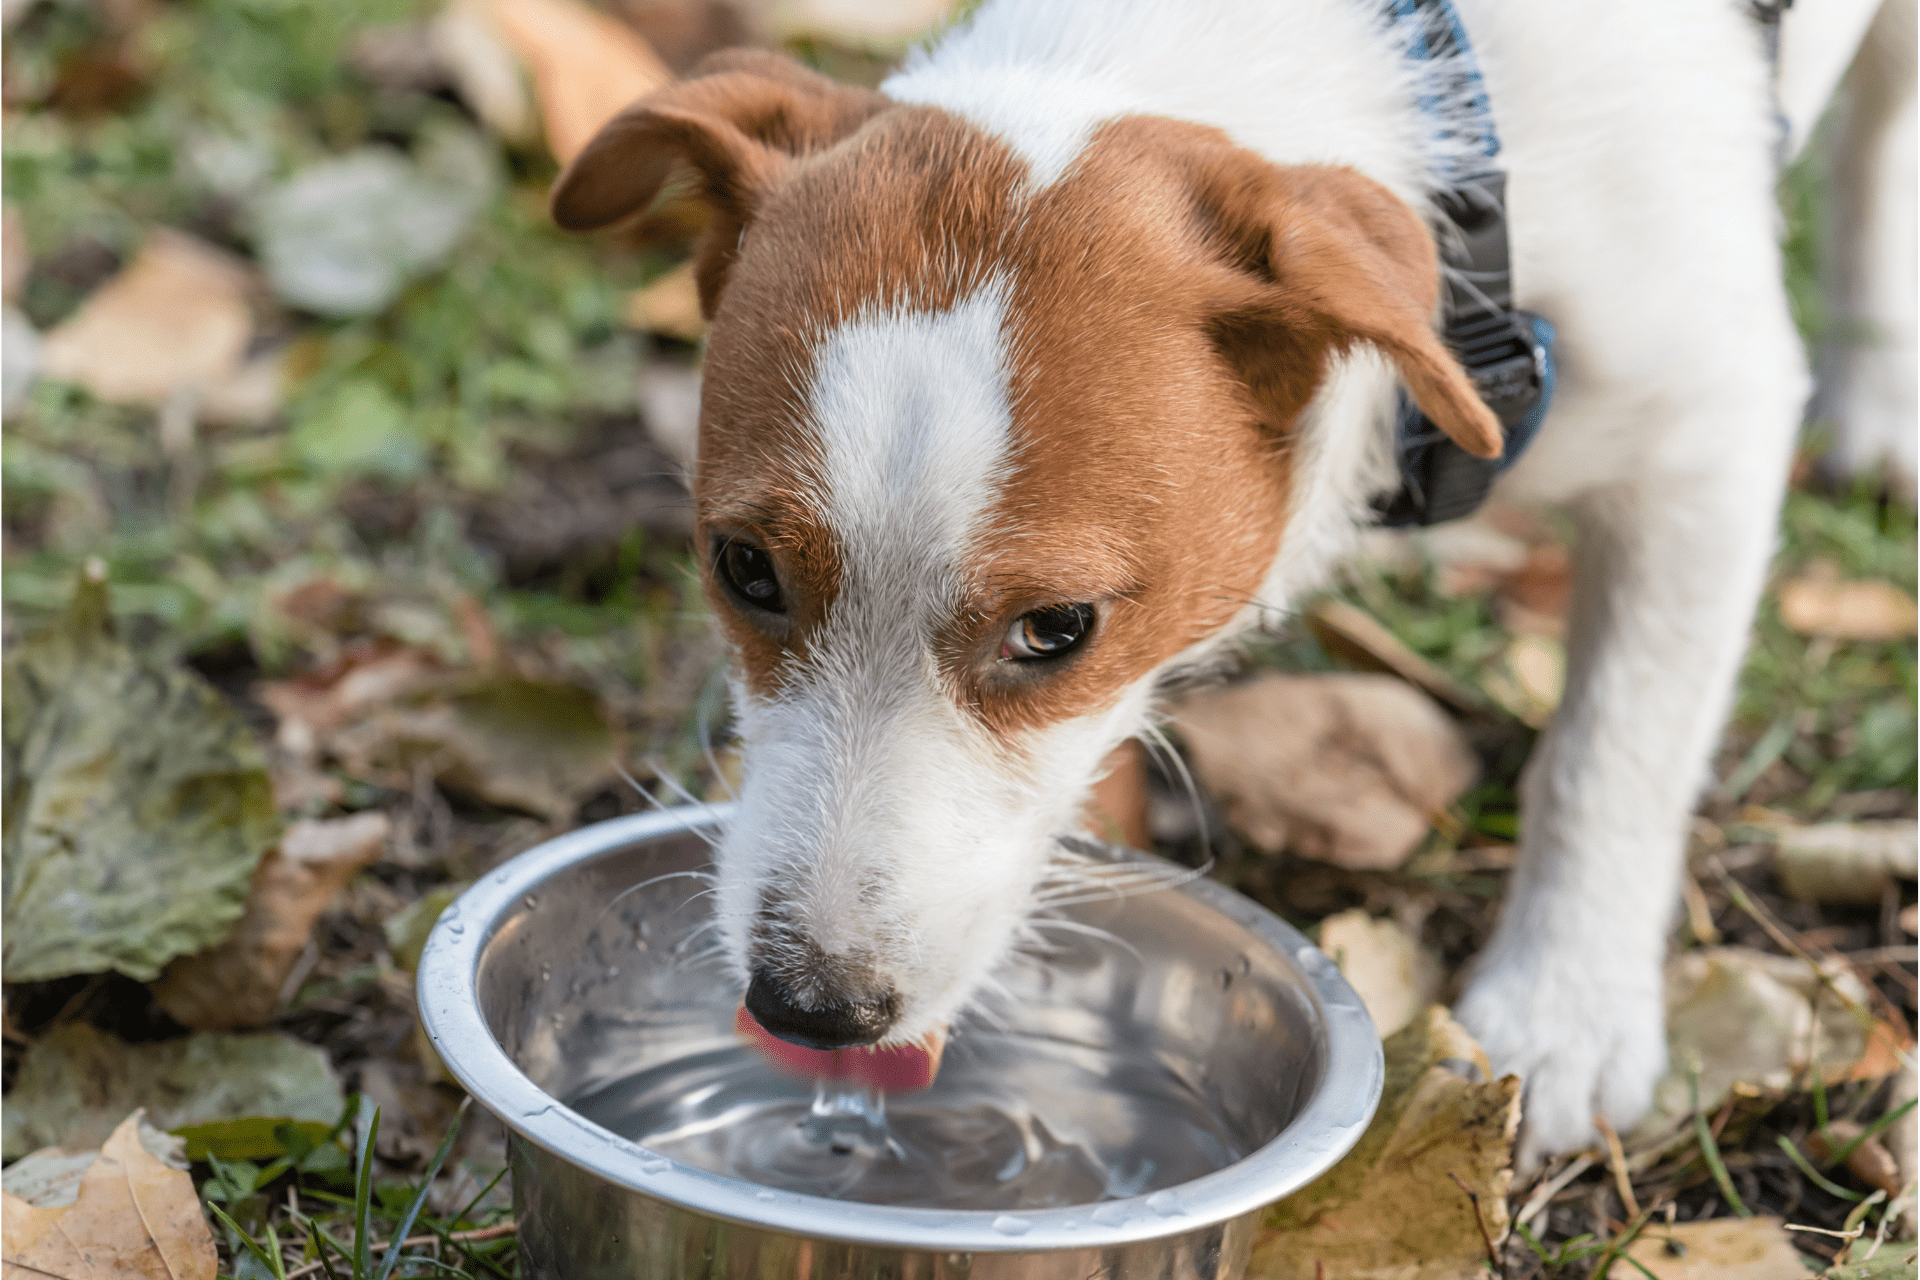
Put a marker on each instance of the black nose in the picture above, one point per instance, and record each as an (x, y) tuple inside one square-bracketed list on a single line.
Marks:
[(840, 1024)]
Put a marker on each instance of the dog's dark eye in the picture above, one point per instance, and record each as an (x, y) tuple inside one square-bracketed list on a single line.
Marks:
[(1047, 633), (748, 573)]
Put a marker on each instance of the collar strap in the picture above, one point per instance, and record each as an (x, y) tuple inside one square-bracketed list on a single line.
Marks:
[(1506, 352)]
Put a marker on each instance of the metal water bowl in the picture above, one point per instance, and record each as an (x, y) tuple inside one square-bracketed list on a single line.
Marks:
[(544, 971)]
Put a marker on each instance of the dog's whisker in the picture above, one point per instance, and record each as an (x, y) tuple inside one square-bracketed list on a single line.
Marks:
[(1090, 931), (644, 884), (657, 802)]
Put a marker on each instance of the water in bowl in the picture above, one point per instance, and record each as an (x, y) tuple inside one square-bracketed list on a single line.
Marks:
[(1013, 1122)]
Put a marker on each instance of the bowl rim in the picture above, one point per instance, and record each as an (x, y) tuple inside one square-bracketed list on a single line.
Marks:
[(1325, 1129)]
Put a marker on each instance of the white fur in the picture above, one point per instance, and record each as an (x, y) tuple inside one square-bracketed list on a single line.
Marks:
[(1638, 138)]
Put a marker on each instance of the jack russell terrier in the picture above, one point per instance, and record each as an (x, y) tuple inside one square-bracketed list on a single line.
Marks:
[(1080, 347)]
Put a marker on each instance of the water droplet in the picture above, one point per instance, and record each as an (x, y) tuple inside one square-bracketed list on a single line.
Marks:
[(763, 1195), (1226, 979), (1165, 1203), (546, 973), (1109, 1215), (613, 971), (533, 900), (456, 928), (655, 1164), (1008, 1225), (528, 1115), (1246, 963)]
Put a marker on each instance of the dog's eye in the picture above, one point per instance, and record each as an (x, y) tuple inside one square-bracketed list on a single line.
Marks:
[(1047, 633), (748, 573)]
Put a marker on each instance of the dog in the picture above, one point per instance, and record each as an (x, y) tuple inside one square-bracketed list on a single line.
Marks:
[(1073, 352)]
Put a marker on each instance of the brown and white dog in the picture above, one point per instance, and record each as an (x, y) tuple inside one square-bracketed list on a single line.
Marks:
[(1042, 372)]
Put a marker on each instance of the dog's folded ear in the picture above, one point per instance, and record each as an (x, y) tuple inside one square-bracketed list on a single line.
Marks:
[(1325, 257), (739, 120)]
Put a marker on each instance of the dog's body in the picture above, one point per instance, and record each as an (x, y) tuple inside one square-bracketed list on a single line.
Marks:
[(1074, 352)]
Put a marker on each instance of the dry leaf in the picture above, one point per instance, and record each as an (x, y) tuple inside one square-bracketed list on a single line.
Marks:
[(670, 306), (475, 54), (384, 711), (1845, 609), (1758, 1020), (1347, 769), (1846, 861), (1869, 1161), (1717, 1249), (51, 1177), (1394, 975), (75, 1080), (1531, 678), (135, 1217), (175, 320), (868, 24), (238, 983), (585, 65), (1392, 1210)]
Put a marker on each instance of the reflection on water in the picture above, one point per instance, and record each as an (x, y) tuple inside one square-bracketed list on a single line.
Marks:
[(1013, 1122)]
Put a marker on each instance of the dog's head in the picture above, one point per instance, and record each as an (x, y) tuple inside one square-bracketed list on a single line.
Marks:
[(979, 458)]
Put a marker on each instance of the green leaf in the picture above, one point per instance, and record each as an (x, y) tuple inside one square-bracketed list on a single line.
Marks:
[(137, 804), (77, 1083), (250, 1138)]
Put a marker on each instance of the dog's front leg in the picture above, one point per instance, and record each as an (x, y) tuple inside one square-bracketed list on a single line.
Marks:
[(1568, 993)]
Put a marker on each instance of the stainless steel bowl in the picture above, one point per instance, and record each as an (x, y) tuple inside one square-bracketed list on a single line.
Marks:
[(550, 969)]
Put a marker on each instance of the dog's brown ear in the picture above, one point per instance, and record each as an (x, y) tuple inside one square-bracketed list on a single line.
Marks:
[(1329, 257), (739, 120)]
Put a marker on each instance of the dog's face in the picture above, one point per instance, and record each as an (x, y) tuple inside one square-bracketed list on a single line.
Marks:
[(977, 462)]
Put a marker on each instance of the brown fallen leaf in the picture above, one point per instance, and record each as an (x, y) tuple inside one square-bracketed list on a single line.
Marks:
[(1869, 1161), (1717, 1249), (1347, 769), (586, 66), (1845, 609), (1846, 861), (859, 24), (1395, 977), (135, 1217), (50, 1177), (1755, 1021), (385, 711), (175, 320), (670, 306), (473, 52), (1530, 678), (1533, 600), (239, 982), (1397, 1207)]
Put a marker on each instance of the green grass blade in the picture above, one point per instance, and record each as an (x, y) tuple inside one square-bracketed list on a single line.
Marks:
[(412, 1211), (1710, 1150), (252, 1246), (1813, 1175), (465, 1214), (363, 1199)]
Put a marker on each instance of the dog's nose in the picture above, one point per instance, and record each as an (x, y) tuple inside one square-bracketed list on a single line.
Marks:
[(835, 1024)]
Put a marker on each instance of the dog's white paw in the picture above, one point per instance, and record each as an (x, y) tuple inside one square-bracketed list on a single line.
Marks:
[(1586, 1034)]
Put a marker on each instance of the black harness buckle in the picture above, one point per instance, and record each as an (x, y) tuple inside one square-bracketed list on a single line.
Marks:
[(1504, 351)]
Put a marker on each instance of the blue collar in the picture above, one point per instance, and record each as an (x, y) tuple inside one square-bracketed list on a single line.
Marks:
[(1508, 353)]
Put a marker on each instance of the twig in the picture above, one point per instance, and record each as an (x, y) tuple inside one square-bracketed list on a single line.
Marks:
[(1486, 1237), (1546, 1191), (414, 1242), (1617, 1161)]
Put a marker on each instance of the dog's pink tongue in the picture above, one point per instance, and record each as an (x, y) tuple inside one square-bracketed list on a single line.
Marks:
[(895, 1068)]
